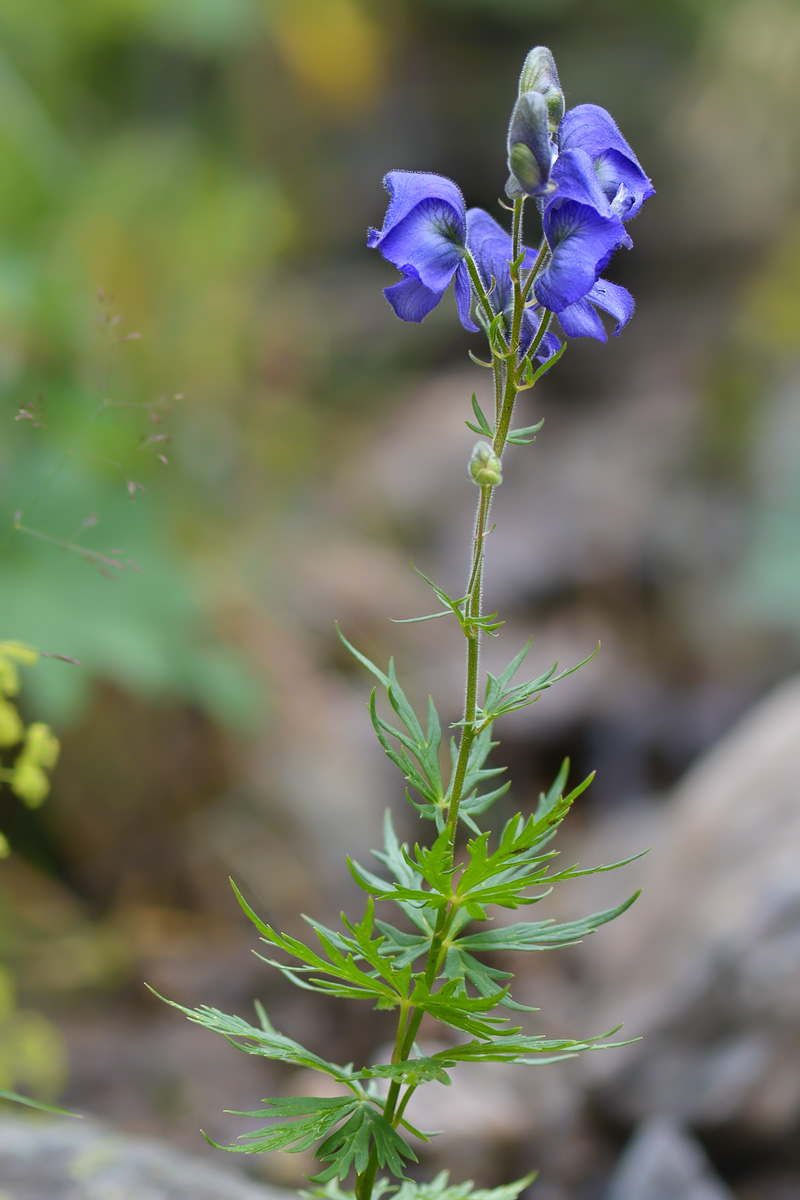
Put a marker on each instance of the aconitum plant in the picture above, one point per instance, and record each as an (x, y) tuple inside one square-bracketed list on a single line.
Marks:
[(430, 918)]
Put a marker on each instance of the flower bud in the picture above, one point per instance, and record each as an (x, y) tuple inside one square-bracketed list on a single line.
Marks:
[(530, 151), (11, 727), (484, 466), (9, 677), (41, 746), (5, 849), (539, 74), (20, 652), (29, 782)]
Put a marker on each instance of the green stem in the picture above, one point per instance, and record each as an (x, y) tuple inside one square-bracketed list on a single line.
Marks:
[(544, 250), (480, 290), (505, 386)]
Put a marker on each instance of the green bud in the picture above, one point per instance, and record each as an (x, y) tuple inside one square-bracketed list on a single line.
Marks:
[(530, 152), (20, 652), (41, 746), (5, 849), (11, 727), (484, 466), (29, 782), (9, 677), (539, 74)]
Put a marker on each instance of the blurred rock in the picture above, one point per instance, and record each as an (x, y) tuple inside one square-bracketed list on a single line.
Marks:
[(707, 966), (74, 1160), (661, 1162)]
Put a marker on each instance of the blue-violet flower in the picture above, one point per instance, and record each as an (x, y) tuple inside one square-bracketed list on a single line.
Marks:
[(424, 235), (581, 230), (591, 129), (581, 320)]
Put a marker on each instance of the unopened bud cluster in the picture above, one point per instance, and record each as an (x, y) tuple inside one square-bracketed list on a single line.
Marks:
[(28, 777), (535, 119)]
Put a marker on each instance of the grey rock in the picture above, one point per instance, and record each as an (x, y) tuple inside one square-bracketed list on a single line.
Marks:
[(662, 1162), (78, 1160), (707, 966)]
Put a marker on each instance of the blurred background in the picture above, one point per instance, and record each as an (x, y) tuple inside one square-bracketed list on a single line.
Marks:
[(202, 175)]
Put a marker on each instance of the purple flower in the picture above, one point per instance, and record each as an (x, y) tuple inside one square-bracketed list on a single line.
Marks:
[(491, 248), (424, 235), (581, 320), (581, 230), (591, 129)]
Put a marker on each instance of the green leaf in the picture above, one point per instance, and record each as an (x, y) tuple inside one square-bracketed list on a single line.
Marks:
[(452, 1006), (541, 935), (404, 947), (483, 426), (502, 698), (523, 1050), (310, 1119), (524, 437), (497, 341), (455, 606), (263, 1040), (347, 979), (459, 964), (16, 1098), (473, 801), (547, 802), (546, 366), (576, 872), (418, 756), (413, 1071), (351, 1144), (362, 658), (439, 1188), (445, 612), (497, 877), (424, 775)]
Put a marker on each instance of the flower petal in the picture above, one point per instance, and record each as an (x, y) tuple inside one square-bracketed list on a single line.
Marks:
[(490, 246), (591, 129), (581, 319), (463, 292), (411, 299), (582, 231), (613, 299), (425, 226), (582, 242)]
